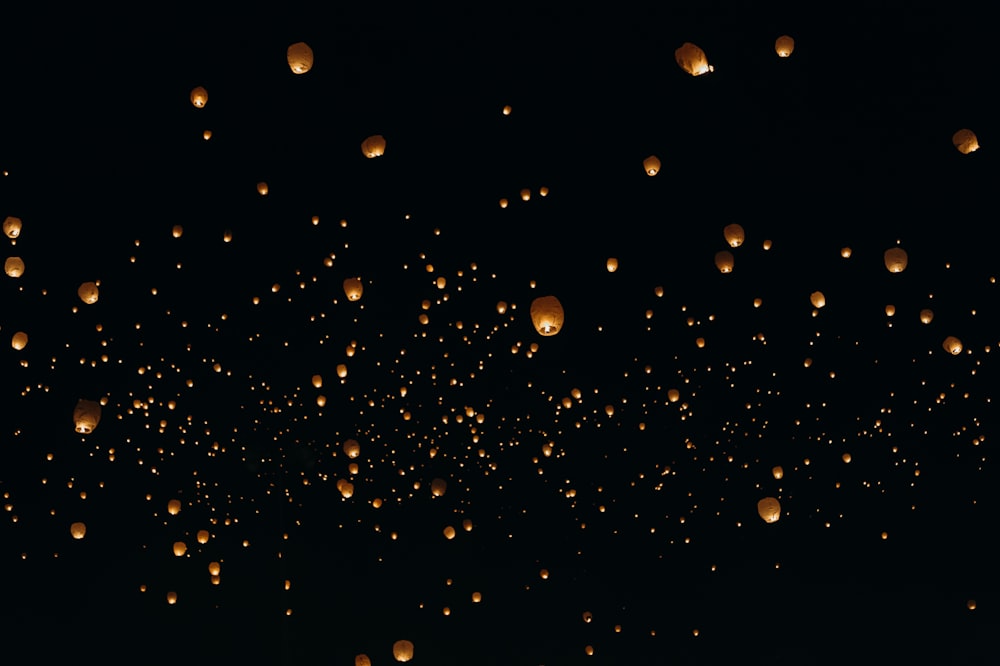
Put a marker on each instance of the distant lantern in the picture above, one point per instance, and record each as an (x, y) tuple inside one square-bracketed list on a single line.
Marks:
[(362, 660), (778, 471), (300, 57), (724, 261), (890, 310), (12, 226), (449, 532), (342, 370), (965, 140), (19, 340), (177, 231), (952, 345), (14, 267), (78, 530), (692, 59), (784, 46), (86, 416), (734, 234), (262, 188), (353, 288), (174, 507), (180, 548), (88, 292), (199, 97), (402, 650), (612, 264), (673, 395), (203, 536), (438, 487), (895, 259), (547, 315), (652, 165), (817, 299), (769, 509), (373, 146), (352, 448), (926, 315), (317, 381), (171, 597)]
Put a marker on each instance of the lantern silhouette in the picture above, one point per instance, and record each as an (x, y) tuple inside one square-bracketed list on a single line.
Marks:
[(784, 46), (14, 267), (547, 315), (300, 57), (965, 141), (88, 292), (199, 97), (952, 345), (652, 165), (402, 650), (895, 259), (78, 530), (724, 261), (19, 340), (769, 509), (692, 59), (86, 415), (353, 288), (12, 226), (373, 146)]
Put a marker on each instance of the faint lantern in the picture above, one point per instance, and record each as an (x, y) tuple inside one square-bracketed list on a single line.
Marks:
[(784, 46), (341, 370), (846, 457), (769, 509), (544, 573), (845, 252), (300, 57), (262, 188), (449, 532), (14, 267), (652, 165), (890, 310), (174, 507), (362, 660), (353, 288), (352, 448), (895, 259), (402, 650), (171, 597), (78, 530), (692, 59), (203, 536), (547, 315), (588, 616), (926, 315), (180, 548), (12, 226), (317, 381), (612, 264), (525, 194), (501, 307), (86, 416), (778, 471), (734, 234), (965, 141), (971, 604), (477, 597), (199, 97), (724, 261), (438, 487), (952, 345), (817, 299), (88, 292), (373, 146)]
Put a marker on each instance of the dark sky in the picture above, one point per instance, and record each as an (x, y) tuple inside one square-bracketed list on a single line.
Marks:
[(576, 486)]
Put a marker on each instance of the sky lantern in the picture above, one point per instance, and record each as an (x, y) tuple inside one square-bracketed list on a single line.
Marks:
[(362, 660), (180, 548), (262, 188), (203, 536), (734, 234), (965, 141), (86, 416), (692, 59), (352, 448), (171, 597), (652, 165), (317, 381), (199, 97), (300, 57), (926, 316), (952, 345), (78, 530), (547, 315), (373, 146), (777, 472), (12, 226), (784, 46), (341, 370), (174, 507), (19, 340), (817, 299), (612, 264), (353, 288), (769, 509), (673, 395), (88, 292), (449, 532), (724, 261), (895, 259), (402, 650), (14, 267), (438, 487)]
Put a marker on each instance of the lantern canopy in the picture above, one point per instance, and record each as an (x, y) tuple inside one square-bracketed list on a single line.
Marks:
[(724, 261), (86, 416), (769, 509), (88, 292), (547, 315), (895, 259), (14, 267), (300, 57), (692, 59), (734, 234), (373, 146), (784, 46), (952, 345), (199, 97), (78, 530), (965, 141), (19, 340), (651, 165), (353, 288), (12, 226), (402, 650)]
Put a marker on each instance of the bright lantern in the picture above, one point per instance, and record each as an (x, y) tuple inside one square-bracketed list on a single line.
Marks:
[(300, 57), (692, 59), (199, 97), (373, 146), (895, 259), (769, 509), (652, 165), (784, 46), (965, 141), (547, 315), (86, 416)]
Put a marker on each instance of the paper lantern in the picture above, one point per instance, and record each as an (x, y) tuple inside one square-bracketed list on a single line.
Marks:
[(317, 381), (784, 46), (262, 188), (734, 234), (174, 507), (724, 261), (19, 340), (199, 97), (692, 59), (14, 267), (652, 165), (769, 509), (373, 146), (777, 471), (353, 288), (817, 299), (402, 650), (12, 226), (180, 548), (78, 530), (547, 315), (202, 536), (88, 292), (926, 315), (352, 448), (300, 57), (362, 660), (895, 259), (171, 597), (952, 345), (612, 264), (965, 141), (86, 416), (449, 532), (438, 487)]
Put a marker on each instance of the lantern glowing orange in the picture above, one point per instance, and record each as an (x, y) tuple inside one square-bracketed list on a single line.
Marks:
[(692, 59), (300, 57), (547, 315), (769, 509), (373, 146)]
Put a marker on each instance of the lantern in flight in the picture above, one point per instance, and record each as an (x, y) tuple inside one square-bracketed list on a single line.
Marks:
[(402, 650), (86, 415), (78, 530), (734, 234), (199, 97), (353, 288), (652, 165), (14, 267), (547, 315), (784, 46), (895, 259), (769, 509), (373, 146), (952, 345), (724, 261), (300, 57), (12, 226), (88, 292), (692, 59), (965, 141), (19, 340)]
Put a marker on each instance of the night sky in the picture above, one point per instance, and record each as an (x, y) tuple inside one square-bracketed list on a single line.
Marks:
[(586, 497)]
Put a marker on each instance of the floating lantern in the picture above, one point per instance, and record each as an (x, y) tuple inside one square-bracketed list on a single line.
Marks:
[(300, 57), (353, 288), (88, 292), (817, 299), (692, 59), (724, 261), (547, 315), (78, 530), (784, 46), (652, 165), (895, 259), (199, 97), (734, 234), (12, 226), (14, 267), (769, 509), (965, 141), (952, 345), (86, 416), (402, 650), (373, 146)]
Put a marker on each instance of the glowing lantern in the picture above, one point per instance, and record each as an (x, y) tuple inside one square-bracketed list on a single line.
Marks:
[(449, 532), (846, 457), (262, 188), (373, 146), (673, 395), (362, 660), (547, 315), (402, 650), (352, 448), (971, 604), (895, 259), (214, 568), (199, 97), (692, 59), (177, 231), (784, 46), (171, 598), (612, 264), (778, 471), (12, 226), (817, 299), (174, 507), (14, 267), (202, 536), (78, 530), (19, 340), (342, 370), (346, 488), (353, 288), (477, 597), (86, 416), (300, 57), (180, 548), (734, 234), (438, 487), (88, 292), (965, 140), (652, 165), (769, 509), (926, 315), (890, 310), (317, 381), (724, 261), (952, 345)]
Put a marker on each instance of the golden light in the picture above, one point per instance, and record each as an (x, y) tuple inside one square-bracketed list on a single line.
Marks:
[(262, 188), (952, 345), (965, 141), (180, 548), (88, 292), (926, 315), (692, 59), (203, 536), (352, 448), (817, 299), (784, 46), (769, 509), (612, 264), (547, 315), (14, 267), (78, 530), (341, 370), (86, 416), (651, 165), (300, 57), (373, 146), (199, 97), (438, 487), (724, 261), (174, 507), (895, 259), (353, 288), (317, 381), (402, 650), (362, 660), (12, 226), (449, 532), (734, 234), (778, 471)]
